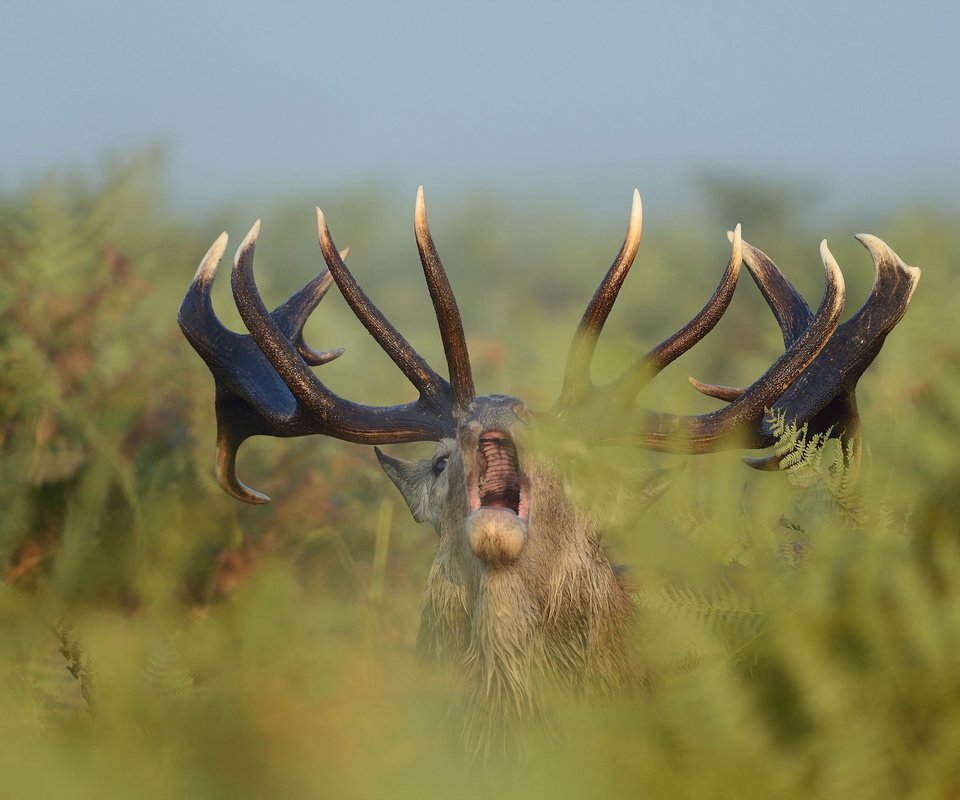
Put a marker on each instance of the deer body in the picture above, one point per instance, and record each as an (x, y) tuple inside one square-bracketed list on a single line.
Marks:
[(521, 593)]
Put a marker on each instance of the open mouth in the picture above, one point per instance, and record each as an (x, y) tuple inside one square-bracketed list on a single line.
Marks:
[(497, 481)]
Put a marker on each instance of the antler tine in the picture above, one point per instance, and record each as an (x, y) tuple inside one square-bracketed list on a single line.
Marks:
[(707, 432), (292, 315), (576, 379), (236, 422), (715, 390), (272, 341), (894, 281), (788, 306), (430, 385), (445, 307), (625, 388), (197, 319), (207, 271)]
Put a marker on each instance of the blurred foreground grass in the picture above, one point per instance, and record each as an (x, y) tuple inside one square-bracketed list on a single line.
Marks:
[(158, 639)]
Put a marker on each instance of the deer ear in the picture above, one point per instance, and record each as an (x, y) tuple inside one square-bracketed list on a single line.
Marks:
[(409, 478)]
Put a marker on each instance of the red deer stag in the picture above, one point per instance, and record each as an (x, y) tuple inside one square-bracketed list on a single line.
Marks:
[(521, 592)]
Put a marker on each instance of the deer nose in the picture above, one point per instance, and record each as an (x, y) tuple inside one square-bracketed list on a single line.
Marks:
[(496, 411)]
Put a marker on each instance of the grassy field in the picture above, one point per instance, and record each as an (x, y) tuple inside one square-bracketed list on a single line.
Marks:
[(159, 639)]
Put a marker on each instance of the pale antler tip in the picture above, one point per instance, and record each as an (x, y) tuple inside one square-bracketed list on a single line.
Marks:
[(635, 225), (327, 246), (879, 249), (884, 255), (420, 211), (250, 240), (216, 250), (736, 251), (832, 268), (323, 233), (825, 254), (208, 264), (226, 472)]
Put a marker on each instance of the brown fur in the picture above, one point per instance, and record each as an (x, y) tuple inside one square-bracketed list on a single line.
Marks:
[(553, 615)]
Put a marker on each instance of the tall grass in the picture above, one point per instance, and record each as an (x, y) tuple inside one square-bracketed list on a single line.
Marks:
[(158, 639)]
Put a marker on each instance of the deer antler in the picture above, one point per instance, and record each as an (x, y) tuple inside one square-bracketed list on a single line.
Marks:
[(263, 381), (736, 424), (577, 386), (812, 382), (824, 396), (264, 384)]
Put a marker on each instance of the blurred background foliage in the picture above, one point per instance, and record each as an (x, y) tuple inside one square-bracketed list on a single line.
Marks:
[(158, 638)]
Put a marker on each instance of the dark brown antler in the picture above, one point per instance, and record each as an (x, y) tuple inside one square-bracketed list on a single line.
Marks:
[(264, 384), (824, 396), (737, 424), (621, 393), (576, 378), (445, 306), (812, 382), (263, 381)]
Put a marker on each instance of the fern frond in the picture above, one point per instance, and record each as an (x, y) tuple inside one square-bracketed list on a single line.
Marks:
[(723, 612), (820, 463)]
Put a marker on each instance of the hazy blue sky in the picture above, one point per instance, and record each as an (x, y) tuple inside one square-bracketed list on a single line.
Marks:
[(585, 99)]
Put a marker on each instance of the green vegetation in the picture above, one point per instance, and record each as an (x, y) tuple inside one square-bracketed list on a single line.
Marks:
[(158, 639)]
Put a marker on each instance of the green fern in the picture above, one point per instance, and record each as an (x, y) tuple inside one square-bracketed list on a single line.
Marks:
[(727, 614), (165, 671), (824, 466)]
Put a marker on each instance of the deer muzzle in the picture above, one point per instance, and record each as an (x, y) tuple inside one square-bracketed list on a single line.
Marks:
[(497, 494)]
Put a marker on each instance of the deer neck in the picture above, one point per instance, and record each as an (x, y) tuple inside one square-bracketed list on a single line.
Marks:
[(557, 614)]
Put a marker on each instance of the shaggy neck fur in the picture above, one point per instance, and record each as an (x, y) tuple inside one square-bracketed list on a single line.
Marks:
[(558, 616)]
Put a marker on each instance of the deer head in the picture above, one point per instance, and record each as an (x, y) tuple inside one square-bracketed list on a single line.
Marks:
[(521, 586)]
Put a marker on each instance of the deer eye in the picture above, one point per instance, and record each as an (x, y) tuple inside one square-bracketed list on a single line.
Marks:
[(439, 465)]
